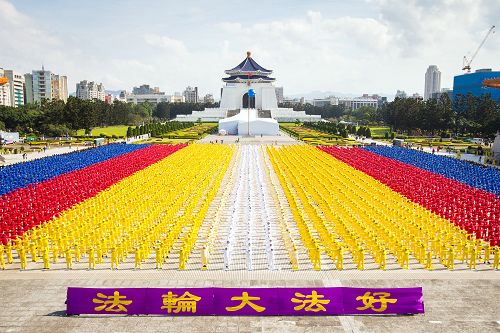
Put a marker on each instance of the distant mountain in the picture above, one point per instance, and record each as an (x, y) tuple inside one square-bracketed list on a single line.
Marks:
[(323, 94), (320, 94), (114, 92)]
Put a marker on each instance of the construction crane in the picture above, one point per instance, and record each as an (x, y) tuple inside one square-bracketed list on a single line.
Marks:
[(467, 62), (3, 80)]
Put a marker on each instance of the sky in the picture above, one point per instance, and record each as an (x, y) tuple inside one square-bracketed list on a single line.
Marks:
[(351, 47)]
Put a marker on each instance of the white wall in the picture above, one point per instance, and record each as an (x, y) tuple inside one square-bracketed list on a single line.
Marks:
[(232, 96)]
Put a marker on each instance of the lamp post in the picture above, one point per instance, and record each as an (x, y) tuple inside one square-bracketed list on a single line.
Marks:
[(251, 94)]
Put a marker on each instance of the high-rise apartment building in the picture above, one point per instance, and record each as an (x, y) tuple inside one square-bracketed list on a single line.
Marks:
[(17, 84), (191, 95), (432, 81), (42, 84), (90, 90), (60, 87)]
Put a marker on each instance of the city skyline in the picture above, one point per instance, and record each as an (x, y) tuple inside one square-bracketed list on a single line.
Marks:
[(364, 46)]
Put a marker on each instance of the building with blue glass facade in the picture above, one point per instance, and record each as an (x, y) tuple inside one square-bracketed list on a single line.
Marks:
[(472, 83)]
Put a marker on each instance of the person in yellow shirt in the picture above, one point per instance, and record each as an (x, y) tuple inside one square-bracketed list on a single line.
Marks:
[(99, 255), (77, 253), (340, 259), (46, 258), (138, 258), (22, 256), (182, 259), (383, 257), (496, 257), (55, 254), (428, 261), (33, 254), (487, 253), (472, 257), (159, 257), (8, 250), (69, 258), (316, 257), (114, 258), (2, 259), (451, 259), (91, 258)]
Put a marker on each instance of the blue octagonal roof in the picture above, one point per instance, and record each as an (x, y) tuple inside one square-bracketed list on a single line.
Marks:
[(248, 66)]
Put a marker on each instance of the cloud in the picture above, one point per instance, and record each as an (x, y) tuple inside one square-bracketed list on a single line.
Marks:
[(420, 25), (20, 36), (313, 50), (387, 51), (377, 46), (166, 43)]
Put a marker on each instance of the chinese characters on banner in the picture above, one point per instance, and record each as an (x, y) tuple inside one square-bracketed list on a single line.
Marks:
[(245, 301)]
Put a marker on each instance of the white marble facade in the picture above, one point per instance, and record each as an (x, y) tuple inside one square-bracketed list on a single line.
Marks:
[(234, 113)]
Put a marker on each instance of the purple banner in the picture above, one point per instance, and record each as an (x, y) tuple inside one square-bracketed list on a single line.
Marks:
[(245, 301)]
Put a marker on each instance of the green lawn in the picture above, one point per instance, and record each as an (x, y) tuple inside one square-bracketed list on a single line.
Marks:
[(164, 141), (379, 132), (120, 130)]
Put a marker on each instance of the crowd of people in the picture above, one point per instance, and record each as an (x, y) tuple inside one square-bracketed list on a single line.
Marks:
[(146, 213), (137, 203), (474, 210), (20, 175), (249, 221), (341, 210), (478, 176), (27, 207)]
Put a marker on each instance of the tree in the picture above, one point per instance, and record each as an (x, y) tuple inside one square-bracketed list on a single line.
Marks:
[(162, 110)]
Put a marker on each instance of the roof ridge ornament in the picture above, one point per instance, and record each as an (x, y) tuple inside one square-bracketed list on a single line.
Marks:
[(249, 54)]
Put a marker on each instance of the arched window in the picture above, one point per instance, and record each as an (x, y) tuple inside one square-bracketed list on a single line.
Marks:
[(245, 102)]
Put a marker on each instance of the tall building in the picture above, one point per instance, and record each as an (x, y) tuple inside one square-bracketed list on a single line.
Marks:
[(42, 84), (90, 90), (60, 87), (191, 95), (145, 89), (17, 84), (4, 89), (474, 84), (279, 94), (432, 81)]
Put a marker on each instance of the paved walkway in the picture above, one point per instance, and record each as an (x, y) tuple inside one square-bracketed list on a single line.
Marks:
[(281, 139), (18, 158), (33, 301)]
